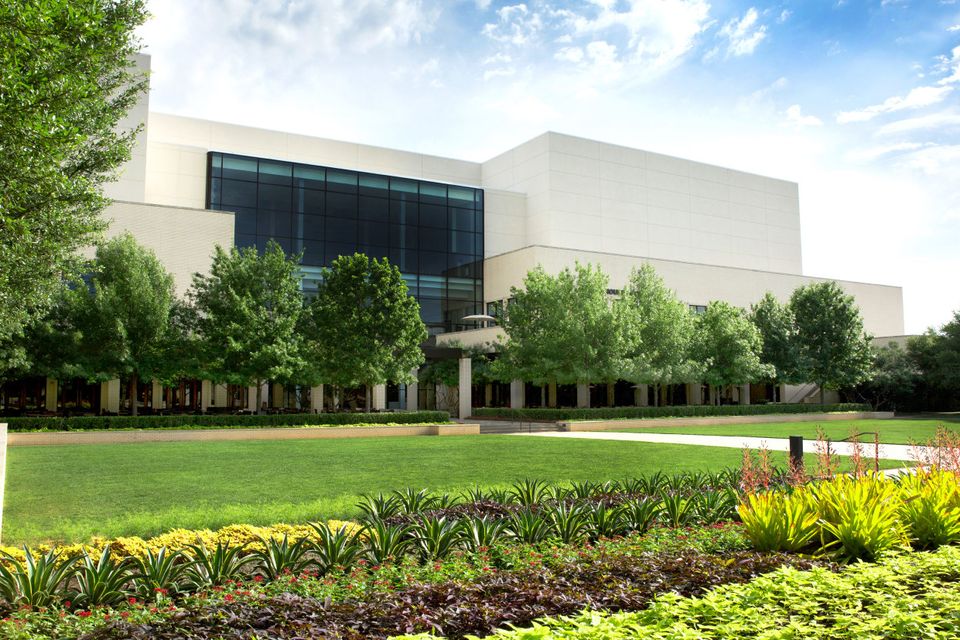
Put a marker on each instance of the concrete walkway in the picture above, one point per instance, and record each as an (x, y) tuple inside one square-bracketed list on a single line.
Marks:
[(887, 451)]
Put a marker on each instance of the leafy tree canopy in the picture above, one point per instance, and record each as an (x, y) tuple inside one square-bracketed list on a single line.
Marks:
[(66, 81), (728, 346), (364, 327), (247, 311), (778, 332), (656, 331), (560, 329), (124, 313), (832, 348)]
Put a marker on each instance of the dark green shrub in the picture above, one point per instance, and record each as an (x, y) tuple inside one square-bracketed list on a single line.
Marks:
[(97, 423), (683, 411)]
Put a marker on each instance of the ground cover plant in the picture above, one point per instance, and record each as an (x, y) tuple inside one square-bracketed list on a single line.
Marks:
[(893, 431), (70, 493), (904, 597)]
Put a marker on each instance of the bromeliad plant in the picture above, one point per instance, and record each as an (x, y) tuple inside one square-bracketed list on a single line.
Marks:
[(212, 568)]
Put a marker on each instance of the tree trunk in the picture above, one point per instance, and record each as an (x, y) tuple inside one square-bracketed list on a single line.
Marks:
[(368, 397), (259, 397), (543, 396), (133, 393), (656, 394), (821, 394)]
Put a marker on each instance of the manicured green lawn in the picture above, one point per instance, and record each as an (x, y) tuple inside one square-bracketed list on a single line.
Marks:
[(891, 431), (70, 493)]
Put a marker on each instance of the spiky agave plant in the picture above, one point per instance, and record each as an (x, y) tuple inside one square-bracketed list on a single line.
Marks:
[(280, 557), (103, 581), (604, 522), (568, 523), (39, 581), (436, 538), (210, 568), (159, 573), (528, 492), (335, 549), (526, 526), (378, 507), (385, 542), (482, 533), (639, 514)]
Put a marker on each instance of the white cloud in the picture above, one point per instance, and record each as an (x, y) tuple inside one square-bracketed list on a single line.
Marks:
[(744, 34), (569, 54), (955, 27), (795, 116), (784, 16), (873, 153), (936, 160), (501, 72), (950, 65), (516, 25), (939, 120), (659, 32), (497, 58), (918, 97)]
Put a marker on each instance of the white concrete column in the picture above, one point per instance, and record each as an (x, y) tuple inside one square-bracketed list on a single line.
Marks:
[(694, 393), (466, 387), (745, 394), (252, 399), (156, 395), (110, 396), (413, 392), (3, 469), (206, 395), (552, 395), (378, 401), (50, 402), (316, 399), (583, 396), (781, 393), (487, 394), (219, 397), (713, 395), (517, 393), (276, 396)]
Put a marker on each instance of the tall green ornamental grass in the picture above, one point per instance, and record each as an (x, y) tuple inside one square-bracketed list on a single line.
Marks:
[(856, 518)]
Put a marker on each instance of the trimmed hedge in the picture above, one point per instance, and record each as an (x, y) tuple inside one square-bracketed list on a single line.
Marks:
[(624, 413), (104, 423)]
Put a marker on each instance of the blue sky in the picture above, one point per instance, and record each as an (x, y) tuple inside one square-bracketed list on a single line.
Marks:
[(856, 100)]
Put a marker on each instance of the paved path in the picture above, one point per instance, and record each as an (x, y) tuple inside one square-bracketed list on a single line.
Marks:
[(887, 451)]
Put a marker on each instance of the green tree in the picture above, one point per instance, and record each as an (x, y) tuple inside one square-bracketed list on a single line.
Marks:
[(363, 327), (247, 311), (66, 81), (779, 334), (894, 378), (124, 314), (727, 345), (937, 356), (832, 348), (656, 330), (560, 329)]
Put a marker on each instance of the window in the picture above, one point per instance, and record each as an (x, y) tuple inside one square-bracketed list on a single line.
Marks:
[(432, 232)]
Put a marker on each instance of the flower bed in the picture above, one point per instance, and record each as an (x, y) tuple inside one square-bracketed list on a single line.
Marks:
[(467, 593)]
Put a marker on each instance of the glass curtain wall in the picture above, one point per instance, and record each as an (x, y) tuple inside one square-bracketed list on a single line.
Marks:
[(432, 232)]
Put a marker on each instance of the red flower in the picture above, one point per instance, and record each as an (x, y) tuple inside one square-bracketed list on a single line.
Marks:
[(66, 604), (132, 600), (83, 614), (124, 614), (258, 578), (228, 598)]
